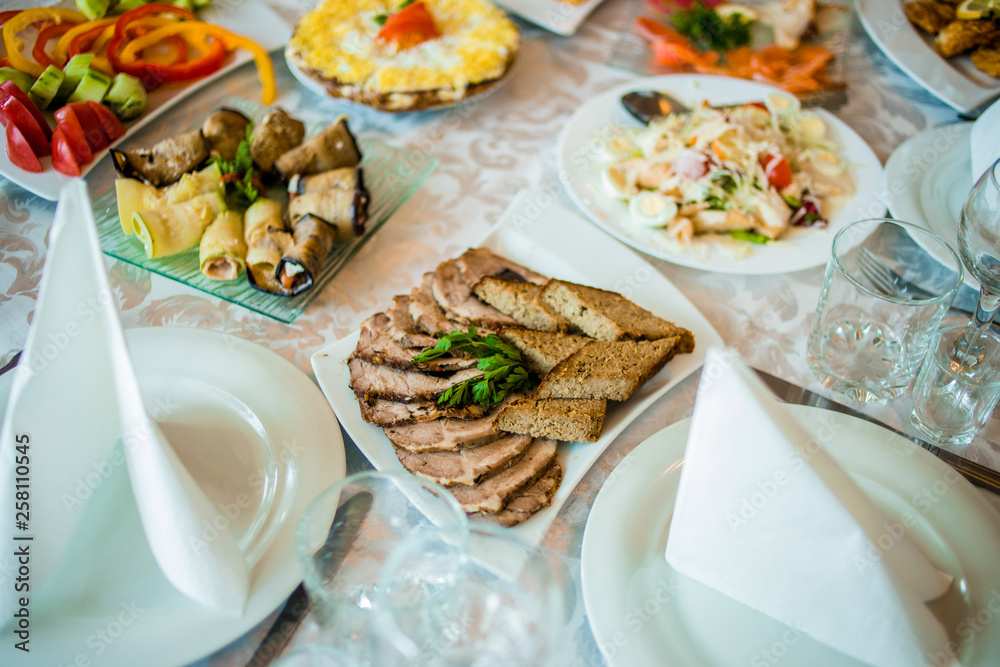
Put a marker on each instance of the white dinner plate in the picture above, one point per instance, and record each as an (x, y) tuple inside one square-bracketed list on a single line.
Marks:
[(108, 601), (250, 18), (643, 612), (927, 180), (562, 18), (555, 242), (954, 81), (580, 171)]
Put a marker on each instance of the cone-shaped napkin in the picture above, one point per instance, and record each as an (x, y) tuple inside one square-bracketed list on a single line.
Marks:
[(74, 395), (765, 515), (985, 141)]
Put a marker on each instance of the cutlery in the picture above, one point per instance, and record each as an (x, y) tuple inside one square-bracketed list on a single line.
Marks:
[(978, 474), (346, 524), (648, 105), (11, 364)]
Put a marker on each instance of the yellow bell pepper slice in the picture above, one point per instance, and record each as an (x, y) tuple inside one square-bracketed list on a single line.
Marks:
[(29, 16), (60, 51)]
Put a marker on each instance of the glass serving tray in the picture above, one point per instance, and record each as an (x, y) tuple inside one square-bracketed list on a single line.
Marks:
[(391, 175)]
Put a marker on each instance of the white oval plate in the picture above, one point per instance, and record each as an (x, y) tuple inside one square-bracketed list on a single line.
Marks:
[(643, 612), (580, 172)]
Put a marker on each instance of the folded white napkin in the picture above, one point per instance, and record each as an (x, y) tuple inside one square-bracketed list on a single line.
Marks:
[(985, 140), (765, 515), (74, 395)]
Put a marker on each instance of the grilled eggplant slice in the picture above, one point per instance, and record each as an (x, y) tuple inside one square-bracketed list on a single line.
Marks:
[(275, 134), (345, 178), (268, 240), (165, 162), (222, 252), (224, 130), (313, 239), (346, 210), (333, 148)]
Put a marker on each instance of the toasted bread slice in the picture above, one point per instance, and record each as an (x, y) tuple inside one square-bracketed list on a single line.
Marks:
[(610, 316), (608, 370), (521, 301), (542, 350), (574, 420)]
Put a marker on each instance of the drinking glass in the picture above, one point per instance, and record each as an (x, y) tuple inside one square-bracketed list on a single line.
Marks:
[(340, 568), (864, 342), (481, 599), (958, 385), (979, 242)]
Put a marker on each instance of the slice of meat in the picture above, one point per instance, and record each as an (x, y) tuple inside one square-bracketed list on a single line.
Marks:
[(466, 467), (929, 15), (427, 313), (403, 327), (961, 36), (477, 263), (370, 380), (447, 434), (455, 297), (492, 493), (376, 345), (522, 505), (383, 412)]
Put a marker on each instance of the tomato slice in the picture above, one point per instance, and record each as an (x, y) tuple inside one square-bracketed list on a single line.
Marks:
[(92, 128), (113, 128), (72, 130), (13, 113), (409, 27), (779, 173), (63, 158), (19, 150), (10, 89)]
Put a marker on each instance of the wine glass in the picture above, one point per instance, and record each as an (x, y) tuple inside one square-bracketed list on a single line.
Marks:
[(979, 242)]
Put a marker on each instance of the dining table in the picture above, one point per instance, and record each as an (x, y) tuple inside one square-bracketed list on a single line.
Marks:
[(488, 150)]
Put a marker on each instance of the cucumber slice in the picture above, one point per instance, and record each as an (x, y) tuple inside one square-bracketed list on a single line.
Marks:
[(93, 9), (74, 71), (126, 97), (92, 87), (46, 86), (184, 4), (126, 5), (22, 80)]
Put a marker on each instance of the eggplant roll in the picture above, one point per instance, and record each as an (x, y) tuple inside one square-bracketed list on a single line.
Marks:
[(135, 195), (313, 239), (345, 178), (224, 130), (346, 210), (333, 148), (275, 134), (165, 162), (222, 252), (267, 242), (169, 230)]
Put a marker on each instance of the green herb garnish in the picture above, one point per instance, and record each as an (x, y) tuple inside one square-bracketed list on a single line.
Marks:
[(503, 371), (380, 19), (793, 202), (745, 235), (716, 203), (726, 181), (711, 32), (244, 190)]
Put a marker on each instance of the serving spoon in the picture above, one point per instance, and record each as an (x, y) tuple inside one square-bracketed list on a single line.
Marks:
[(648, 105)]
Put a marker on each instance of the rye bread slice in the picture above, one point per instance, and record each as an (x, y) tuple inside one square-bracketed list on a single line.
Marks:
[(541, 350), (608, 370), (522, 505), (492, 492), (466, 467), (570, 419), (521, 301), (443, 435), (610, 316)]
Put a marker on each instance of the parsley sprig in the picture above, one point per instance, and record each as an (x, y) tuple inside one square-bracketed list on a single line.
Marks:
[(380, 19), (239, 173), (709, 31), (503, 371)]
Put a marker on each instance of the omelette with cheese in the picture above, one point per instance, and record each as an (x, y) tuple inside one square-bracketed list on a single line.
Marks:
[(404, 56)]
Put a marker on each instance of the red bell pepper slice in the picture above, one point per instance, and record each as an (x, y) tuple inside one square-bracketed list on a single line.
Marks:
[(19, 150), (63, 158), (84, 40), (409, 27), (74, 134), (12, 112), (8, 15), (113, 128), (38, 52), (93, 130), (10, 89)]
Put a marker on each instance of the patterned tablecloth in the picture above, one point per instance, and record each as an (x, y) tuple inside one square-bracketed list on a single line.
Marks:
[(488, 151)]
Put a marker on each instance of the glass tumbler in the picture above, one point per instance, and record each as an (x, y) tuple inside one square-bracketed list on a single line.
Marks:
[(347, 534), (958, 385), (868, 343)]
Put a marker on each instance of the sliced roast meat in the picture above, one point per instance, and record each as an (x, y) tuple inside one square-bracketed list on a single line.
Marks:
[(383, 412), (403, 327), (376, 345), (369, 380), (447, 434), (455, 297), (522, 505), (492, 492), (467, 466), (477, 263), (426, 312)]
